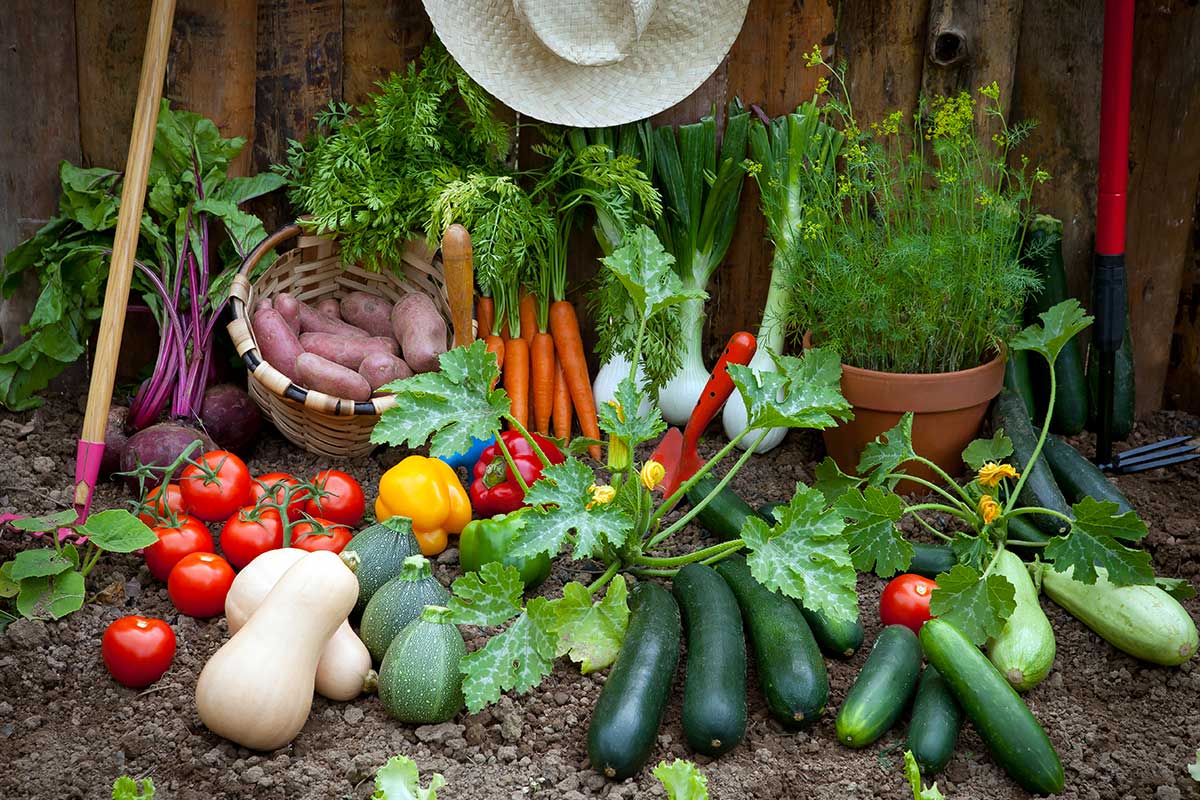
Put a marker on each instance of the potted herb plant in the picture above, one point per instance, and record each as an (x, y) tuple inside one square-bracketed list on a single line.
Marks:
[(906, 263)]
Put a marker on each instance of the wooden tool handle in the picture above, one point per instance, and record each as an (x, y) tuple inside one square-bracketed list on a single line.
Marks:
[(460, 281)]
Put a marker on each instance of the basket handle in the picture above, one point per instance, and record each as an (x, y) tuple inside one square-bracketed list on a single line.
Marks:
[(268, 244)]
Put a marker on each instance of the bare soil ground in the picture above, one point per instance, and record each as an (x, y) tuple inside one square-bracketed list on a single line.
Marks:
[(1124, 729)]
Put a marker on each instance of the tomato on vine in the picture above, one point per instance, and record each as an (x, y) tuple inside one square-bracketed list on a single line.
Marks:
[(137, 650), (154, 510), (175, 542), (216, 486), (905, 601), (320, 534), (338, 498), (277, 485), (249, 533)]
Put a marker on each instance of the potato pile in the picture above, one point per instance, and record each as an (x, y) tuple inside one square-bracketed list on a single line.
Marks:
[(352, 347)]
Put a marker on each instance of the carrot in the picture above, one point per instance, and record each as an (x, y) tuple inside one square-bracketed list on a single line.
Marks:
[(529, 326), (504, 331), (568, 345), (541, 368), (562, 405), (496, 345), (516, 377), (485, 315)]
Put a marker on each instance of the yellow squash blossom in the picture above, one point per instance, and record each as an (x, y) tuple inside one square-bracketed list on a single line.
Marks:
[(652, 474), (988, 508), (601, 495), (619, 457), (991, 473)]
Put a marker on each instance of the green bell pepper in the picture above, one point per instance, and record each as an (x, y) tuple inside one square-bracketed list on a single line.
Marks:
[(487, 540)]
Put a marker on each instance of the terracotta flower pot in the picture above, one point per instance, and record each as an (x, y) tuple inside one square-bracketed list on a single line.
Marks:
[(949, 409)]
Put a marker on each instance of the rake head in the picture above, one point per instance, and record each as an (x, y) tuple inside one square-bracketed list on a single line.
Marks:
[(1175, 450)]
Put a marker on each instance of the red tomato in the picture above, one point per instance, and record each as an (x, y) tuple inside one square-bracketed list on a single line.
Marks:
[(249, 534), (277, 485), (175, 542), (339, 499), (156, 513), (309, 536), (138, 650), (905, 601), (213, 494), (199, 583)]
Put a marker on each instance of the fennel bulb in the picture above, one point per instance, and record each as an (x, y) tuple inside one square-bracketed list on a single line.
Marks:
[(770, 340), (611, 373)]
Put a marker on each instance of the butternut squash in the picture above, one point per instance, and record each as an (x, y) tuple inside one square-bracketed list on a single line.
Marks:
[(344, 671), (257, 690)]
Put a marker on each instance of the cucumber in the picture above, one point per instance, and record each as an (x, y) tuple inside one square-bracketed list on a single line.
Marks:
[(1143, 621), (724, 515), (1024, 650), (1039, 489), (398, 602), (883, 688), (1013, 735), (936, 720), (377, 554), (1078, 477), (419, 681), (1124, 392), (1043, 254), (836, 638), (1018, 380), (714, 692), (931, 560), (791, 671), (630, 709)]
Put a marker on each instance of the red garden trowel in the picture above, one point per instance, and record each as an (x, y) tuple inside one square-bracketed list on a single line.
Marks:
[(677, 451)]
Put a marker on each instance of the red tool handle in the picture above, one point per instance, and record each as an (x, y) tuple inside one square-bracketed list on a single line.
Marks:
[(739, 350)]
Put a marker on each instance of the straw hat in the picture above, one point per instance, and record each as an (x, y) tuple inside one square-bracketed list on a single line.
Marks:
[(588, 63)]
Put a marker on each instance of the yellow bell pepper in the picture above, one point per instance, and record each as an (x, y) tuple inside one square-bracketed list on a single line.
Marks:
[(429, 493)]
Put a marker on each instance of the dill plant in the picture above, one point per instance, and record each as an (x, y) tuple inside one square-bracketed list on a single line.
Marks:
[(906, 258)]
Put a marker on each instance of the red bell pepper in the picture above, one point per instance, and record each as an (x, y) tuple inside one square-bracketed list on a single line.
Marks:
[(495, 490)]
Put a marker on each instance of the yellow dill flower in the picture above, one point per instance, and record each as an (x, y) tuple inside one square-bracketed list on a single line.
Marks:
[(992, 90), (601, 495), (822, 85), (991, 473), (652, 474), (989, 509)]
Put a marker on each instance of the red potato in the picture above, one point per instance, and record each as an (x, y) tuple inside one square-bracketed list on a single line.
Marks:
[(349, 351), (277, 341), (263, 303), (381, 369), (289, 308), (313, 321), (420, 330), (330, 307), (372, 314), (323, 375)]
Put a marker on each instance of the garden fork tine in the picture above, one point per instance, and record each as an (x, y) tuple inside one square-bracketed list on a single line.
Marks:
[(1176, 450)]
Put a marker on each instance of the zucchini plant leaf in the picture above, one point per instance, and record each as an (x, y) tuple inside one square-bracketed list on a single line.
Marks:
[(38, 564), (805, 555), (1179, 588), (981, 451), (811, 388), (399, 779), (969, 550), (8, 586), (682, 780), (623, 420), (448, 408), (875, 541), (51, 597), (975, 605), (591, 633), (644, 268), (517, 659), (832, 482), (46, 523), (117, 531), (888, 452), (564, 492), (1093, 542), (126, 788), (1059, 325), (489, 597), (913, 772)]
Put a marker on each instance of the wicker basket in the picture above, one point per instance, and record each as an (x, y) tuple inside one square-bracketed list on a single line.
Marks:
[(312, 271)]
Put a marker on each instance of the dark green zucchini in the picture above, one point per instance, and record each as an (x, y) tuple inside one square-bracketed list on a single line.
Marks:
[(836, 638), (1018, 380), (791, 671), (936, 720), (883, 687), (931, 560), (724, 515), (1124, 391), (1078, 477), (1043, 254), (714, 692), (1008, 413), (630, 709), (1015, 738)]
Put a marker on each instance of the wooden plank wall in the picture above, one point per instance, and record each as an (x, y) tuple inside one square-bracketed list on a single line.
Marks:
[(263, 68)]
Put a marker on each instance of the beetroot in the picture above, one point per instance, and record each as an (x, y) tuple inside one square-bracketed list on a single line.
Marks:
[(230, 417), (116, 439), (160, 445)]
